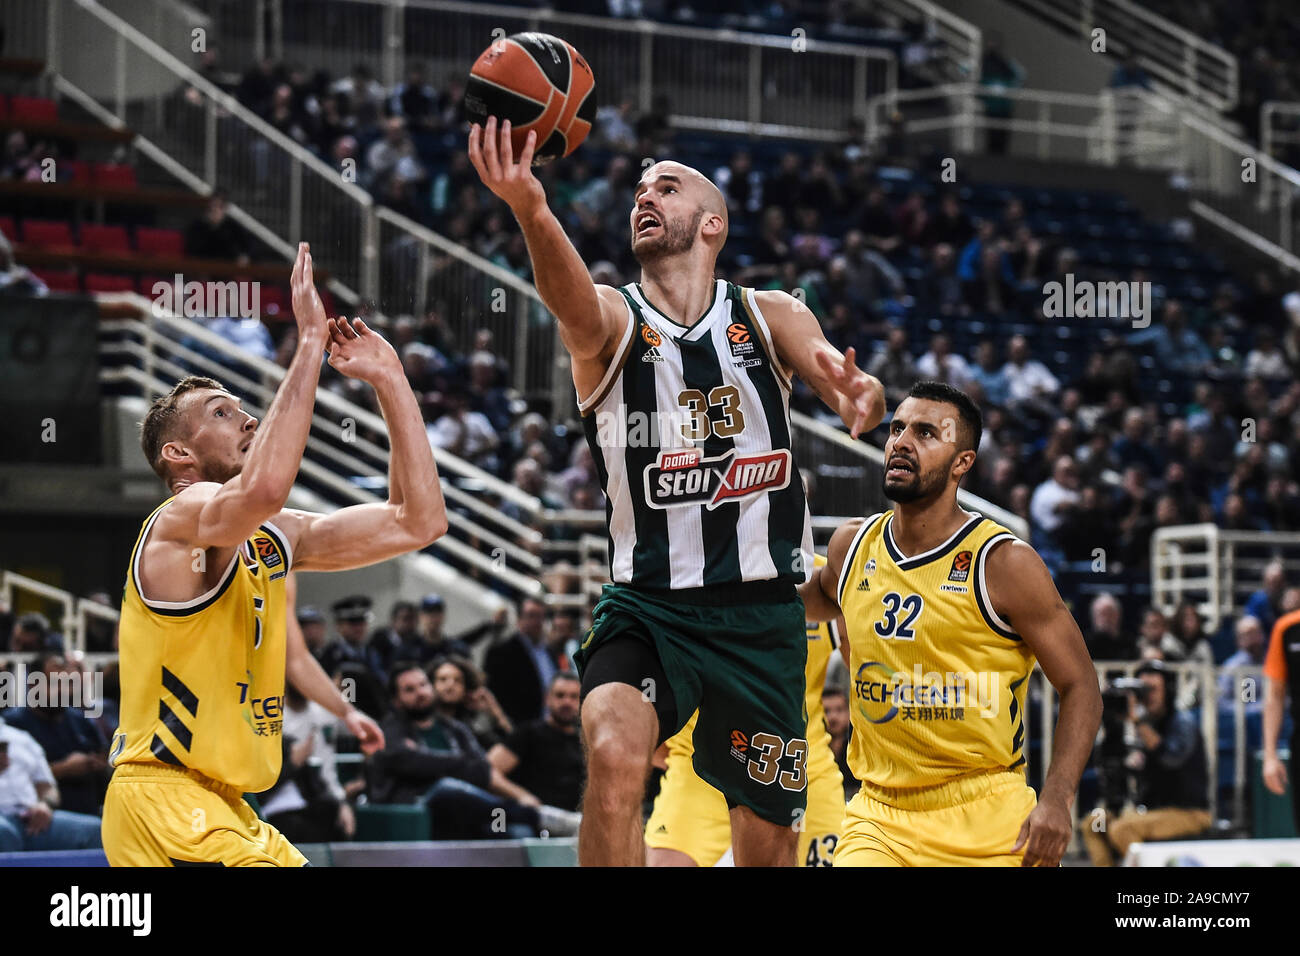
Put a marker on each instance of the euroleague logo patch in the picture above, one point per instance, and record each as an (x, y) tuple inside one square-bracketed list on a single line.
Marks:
[(682, 476), (739, 744), (266, 550), (960, 570)]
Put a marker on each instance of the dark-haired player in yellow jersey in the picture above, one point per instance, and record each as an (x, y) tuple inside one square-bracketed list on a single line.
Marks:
[(690, 824), (203, 644), (945, 613)]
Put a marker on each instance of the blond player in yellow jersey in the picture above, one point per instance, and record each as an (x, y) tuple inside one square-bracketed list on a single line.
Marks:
[(945, 613), (690, 824), (203, 646)]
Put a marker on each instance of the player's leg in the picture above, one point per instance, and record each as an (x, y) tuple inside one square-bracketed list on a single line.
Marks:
[(759, 842), (659, 856), (820, 832), (689, 825), (750, 739), (621, 726)]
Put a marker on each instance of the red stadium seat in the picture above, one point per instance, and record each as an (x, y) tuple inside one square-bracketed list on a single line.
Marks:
[(4, 107), (115, 175), (47, 233), (105, 238), (79, 171), (274, 302), (145, 284), (59, 281), (33, 109), (99, 282), (160, 242), (9, 228)]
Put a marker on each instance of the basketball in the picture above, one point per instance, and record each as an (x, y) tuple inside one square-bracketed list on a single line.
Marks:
[(537, 82)]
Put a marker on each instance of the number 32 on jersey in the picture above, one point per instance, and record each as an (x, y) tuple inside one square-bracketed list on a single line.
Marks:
[(900, 615)]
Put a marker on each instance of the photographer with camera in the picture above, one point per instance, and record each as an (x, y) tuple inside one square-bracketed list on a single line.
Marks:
[(1164, 775)]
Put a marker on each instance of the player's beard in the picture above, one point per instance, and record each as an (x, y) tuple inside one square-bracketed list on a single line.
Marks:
[(677, 237), (917, 486)]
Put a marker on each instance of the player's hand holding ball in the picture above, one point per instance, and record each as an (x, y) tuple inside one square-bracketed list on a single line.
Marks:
[(359, 352), (492, 154)]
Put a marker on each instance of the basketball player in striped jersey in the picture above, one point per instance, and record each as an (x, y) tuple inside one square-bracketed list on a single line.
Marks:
[(203, 643), (683, 382), (945, 613)]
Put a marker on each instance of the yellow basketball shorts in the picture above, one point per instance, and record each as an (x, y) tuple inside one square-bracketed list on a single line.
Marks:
[(692, 817), (170, 816), (971, 821)]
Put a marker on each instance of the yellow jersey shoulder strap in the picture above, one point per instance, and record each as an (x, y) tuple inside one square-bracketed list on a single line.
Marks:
[(996, 534), (851, 556)]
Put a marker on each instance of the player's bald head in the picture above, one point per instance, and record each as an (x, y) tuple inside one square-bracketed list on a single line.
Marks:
[(707, 195)]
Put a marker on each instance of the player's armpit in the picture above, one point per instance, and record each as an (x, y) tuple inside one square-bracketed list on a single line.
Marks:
[(353, 537)]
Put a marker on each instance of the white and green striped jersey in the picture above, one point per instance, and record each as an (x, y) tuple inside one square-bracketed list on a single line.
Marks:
[(690, 429)]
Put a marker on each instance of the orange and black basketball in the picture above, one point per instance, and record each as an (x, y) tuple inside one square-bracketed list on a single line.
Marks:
[(537, 82)]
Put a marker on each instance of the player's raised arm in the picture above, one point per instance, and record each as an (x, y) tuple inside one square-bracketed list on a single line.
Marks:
[(820, 595), (858, 398), (207, 514), (415, 514), (1023, 594), (590, 318)]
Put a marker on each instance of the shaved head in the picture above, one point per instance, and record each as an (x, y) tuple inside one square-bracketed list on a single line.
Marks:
[(697, 187)]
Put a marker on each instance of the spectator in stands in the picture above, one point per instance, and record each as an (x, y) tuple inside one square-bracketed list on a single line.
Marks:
[(16, 279), (362, 90), (1030, 386), (1177, 347), (564, 637), (835, 704), (384, 155), (988, 374), (1252, 645), (414, 99), (894, 366), (999, 72), (1106, 640), (1130, 73), (32, 633), (877, 222), (465, 433), (741, 185), (460, 694), (486, 394), (308, 804), (72, 743), (388, 644), (215, 235), (258, 85), (1267, 360), (1263, 604), (939, 291), (614, 128), (519, 670), (312, 623), (950, 225), (544, 756), (1135, 445), (30, 818), (352, 616), (1154, 635), (942, 365), (430, 759), (1170, 767), (1053, 499), (992, 289), (1189, 629)]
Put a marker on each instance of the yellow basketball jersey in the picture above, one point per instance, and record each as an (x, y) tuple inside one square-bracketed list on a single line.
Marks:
[(823, 641), (203, 680), (937, 678)]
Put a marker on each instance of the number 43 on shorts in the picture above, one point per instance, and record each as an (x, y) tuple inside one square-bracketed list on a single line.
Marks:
[(765, 765)]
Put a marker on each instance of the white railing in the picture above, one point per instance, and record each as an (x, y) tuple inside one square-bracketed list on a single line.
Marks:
[(1176, 58), (1215, 568), (72, 623), (151, 353), (1279, 126), (960, 42), (715, 79)]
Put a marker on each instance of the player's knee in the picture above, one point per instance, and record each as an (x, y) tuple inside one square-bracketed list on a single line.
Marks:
[(615, 761)]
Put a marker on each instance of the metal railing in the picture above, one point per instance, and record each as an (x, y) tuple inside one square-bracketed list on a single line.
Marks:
[(960, 43), (716, 79), (1176, 58), (1279, 126), (1215, 568), (75, 611), (346, 455)]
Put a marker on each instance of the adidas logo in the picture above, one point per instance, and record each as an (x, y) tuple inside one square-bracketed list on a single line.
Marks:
[(652, 355), (662, 829), (864, 585)]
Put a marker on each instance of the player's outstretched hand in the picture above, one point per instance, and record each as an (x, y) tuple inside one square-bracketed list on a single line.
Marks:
[(1045, 834), (492, 154), (858, 388), (365, 730), (308, 310), (360, 352)]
